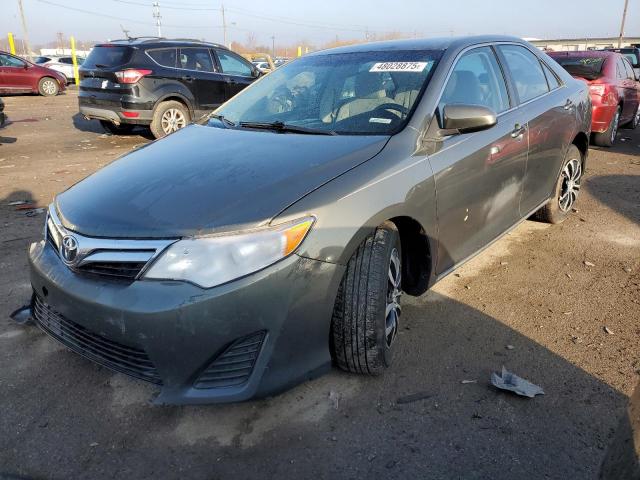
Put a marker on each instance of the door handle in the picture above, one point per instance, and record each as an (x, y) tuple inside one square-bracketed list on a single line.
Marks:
[(187, 78), (568, 105), (518, 131)]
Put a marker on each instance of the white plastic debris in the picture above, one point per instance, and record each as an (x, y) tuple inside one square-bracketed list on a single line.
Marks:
[(513, 383)]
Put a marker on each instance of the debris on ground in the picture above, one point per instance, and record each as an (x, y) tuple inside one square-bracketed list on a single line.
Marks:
[(513, 383), (589, 264), (334, 398), (510, 347), (22, 315), (568, 275), (464, 382), (34, 212), (608, 330), (17, 202), (627, 269), (413, 397)]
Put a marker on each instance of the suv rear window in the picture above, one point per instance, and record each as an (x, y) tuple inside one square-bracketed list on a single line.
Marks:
[(106, 56)]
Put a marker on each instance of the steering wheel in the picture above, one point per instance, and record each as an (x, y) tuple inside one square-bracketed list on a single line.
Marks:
[(391, 106)]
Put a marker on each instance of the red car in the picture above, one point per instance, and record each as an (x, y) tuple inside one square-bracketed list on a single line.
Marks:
[(18, 75), (614, 88)]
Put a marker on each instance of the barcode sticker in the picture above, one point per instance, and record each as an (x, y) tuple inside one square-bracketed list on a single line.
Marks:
[(398, 67)]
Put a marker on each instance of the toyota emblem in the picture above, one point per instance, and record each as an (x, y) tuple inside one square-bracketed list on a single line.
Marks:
[(69, 249)]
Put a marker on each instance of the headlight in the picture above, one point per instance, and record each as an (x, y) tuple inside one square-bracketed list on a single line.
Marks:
[(217, 259)]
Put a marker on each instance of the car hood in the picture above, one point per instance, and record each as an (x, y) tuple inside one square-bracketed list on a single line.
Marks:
[(202, 179)]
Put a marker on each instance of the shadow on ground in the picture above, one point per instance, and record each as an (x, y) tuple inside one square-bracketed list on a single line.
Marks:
[(69, 418)]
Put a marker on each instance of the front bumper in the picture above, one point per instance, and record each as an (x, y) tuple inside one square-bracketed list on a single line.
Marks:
[(181, 329)]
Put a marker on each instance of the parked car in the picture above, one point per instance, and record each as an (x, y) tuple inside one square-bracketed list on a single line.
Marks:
[(633, 56), (262, 66), (163, 84), (18, 75), (615, 92), (245, 253), (63, 65), (3, 116)]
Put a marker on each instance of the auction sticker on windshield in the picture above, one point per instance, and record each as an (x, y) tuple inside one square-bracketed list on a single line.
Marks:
[(398, 67)]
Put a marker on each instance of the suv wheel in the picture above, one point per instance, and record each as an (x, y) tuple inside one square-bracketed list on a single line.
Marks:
[(169, 117), (367, 309), (114, 129), (48, 87), (567, 189)]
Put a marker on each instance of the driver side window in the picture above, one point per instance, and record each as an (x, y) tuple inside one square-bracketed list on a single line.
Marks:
[(9, 61), (476, 79)]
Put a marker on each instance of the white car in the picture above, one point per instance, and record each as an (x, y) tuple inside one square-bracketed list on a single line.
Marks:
[(262, 66), (63, 65)]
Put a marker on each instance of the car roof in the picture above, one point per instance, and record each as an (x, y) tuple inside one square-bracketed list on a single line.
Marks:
[(583, 53), (159, 42), (440, 43)]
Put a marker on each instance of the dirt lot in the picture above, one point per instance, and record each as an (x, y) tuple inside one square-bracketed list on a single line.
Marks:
[(529, 303)]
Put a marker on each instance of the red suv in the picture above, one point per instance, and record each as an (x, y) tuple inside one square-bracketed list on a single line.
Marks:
[(18, 75), (615, 91)]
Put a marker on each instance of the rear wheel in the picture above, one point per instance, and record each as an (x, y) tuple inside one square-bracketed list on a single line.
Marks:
[(169, 117), (114, 129), (567, 189), (608, 137), (48, 87), (367, 309), (635, 121)]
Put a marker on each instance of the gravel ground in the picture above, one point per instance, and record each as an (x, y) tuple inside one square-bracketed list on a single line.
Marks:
[(530, 303)]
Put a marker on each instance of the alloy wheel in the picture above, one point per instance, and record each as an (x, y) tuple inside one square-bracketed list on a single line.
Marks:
[(614, 129), (394, 292), (172, 120), (49, 87), (571, 177)]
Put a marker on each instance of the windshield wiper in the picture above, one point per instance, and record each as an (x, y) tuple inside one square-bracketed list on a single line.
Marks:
[(283, 127), (224, 120)]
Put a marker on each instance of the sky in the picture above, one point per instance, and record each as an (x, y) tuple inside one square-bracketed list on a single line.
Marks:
[(318, 21)]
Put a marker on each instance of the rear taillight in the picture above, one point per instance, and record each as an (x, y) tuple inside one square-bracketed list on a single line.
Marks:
[(598, 89), (131, 75)]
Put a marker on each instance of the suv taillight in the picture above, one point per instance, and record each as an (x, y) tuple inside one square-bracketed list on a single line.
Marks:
[(131, 75), (598, 89)]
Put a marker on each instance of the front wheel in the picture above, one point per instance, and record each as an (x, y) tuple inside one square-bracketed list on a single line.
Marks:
[(567, 189), (367, 310), (608, 137), (48, 87)]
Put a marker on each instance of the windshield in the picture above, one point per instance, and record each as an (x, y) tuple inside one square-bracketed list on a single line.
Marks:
[(586, 67), (362, 93), (107, 56)]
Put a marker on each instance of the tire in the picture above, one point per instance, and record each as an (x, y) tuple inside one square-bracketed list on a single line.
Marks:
[(48, 87), (635, 121), (361, 332), (557, 209), (168, 117), (608, 137), (114, 129)]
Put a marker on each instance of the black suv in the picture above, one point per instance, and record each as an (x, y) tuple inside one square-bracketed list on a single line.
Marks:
[(158, 82)]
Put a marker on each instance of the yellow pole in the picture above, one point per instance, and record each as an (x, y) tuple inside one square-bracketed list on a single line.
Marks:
[(299, 51), (12, 46), (75, 61)]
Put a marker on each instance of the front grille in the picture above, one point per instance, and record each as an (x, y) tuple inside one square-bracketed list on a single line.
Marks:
[(234, 366), (116, 356), (122, 270)]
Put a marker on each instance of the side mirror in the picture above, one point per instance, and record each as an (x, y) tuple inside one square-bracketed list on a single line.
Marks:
[(467, 118), (26, 66), (256, 73)]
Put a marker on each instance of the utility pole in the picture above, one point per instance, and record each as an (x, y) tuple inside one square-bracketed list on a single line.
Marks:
[(158, 17), (624, 18), (24, 30), (273, 46), (224, 25)]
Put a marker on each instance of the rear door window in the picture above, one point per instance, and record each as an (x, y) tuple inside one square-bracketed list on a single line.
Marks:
[(108, 56), (198, 59), (233, 65), (552, 80), (477, 79), (526, 72), (164, 56)]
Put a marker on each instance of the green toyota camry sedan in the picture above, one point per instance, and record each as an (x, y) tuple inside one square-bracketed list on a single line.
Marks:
[(275, 237)]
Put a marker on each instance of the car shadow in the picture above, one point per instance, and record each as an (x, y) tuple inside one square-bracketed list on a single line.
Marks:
[(418, 419), (94, 126)]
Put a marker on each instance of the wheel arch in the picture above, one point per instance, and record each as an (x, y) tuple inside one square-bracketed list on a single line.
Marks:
[(581, 141), (417, 256), (177, 97)]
